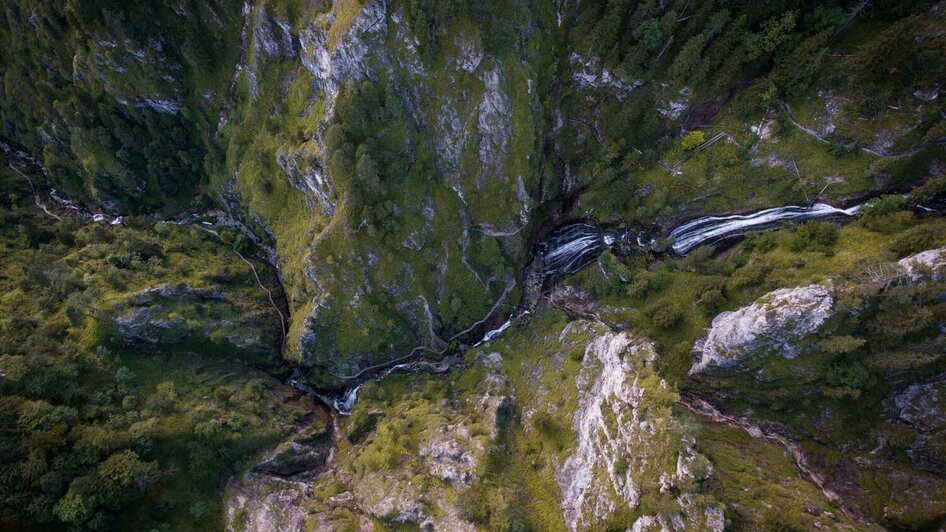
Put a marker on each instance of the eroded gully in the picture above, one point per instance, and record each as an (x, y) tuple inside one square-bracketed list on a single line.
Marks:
[(565, 251)]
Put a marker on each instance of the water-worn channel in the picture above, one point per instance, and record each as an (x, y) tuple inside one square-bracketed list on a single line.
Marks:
[(575, 245)]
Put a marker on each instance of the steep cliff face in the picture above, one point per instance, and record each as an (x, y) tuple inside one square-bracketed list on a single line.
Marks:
[(772, 324), (629, 445), (393, 166), (803, 357), (116, 99)]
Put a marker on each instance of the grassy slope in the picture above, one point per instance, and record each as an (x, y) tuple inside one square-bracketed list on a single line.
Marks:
[(339, 251)]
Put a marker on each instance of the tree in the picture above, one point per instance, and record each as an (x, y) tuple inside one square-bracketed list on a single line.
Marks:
[(649, 34), (842, 344), (366, 172), (814, 236), (688, 58), (878, 55), (773, 34), (122, 476), (692, 140), (79, 504), (125, 377), (937, 132)]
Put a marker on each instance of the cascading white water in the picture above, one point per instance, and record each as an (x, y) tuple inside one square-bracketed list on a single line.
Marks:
[(710, 229), (495, 332), (346, 402), (574, 246)]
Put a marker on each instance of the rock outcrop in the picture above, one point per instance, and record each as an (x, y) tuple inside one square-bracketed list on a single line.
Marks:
[(169, 315), (451, 446), (589, 74), (772, 324), (262, 503), (495, 127), (927, 265), (629, 443), (335, 52), (777, 321), (275, 494), (922, 406)]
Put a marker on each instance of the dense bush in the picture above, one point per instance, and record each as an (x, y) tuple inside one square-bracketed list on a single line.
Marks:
[(665, 315), (89, 429), (692, 140), (814, 236)]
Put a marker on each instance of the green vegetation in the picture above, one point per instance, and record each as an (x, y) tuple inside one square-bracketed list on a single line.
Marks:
[(103, 428), (692, 140), (112, 97), (393, 208), (750, 61), (401, 171), (751, 475), (883, 336)]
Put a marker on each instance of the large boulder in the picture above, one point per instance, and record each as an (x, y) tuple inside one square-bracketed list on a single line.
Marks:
[(772, 324), (926, 265), (180, 315)]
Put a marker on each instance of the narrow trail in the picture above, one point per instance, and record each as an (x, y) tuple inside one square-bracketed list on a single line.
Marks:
[(802, 464), (35, 196), (269, 293)]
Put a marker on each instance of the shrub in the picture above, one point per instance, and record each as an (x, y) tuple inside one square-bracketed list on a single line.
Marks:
[(198, 511), (762, 242), (665, 315), (840, 149), (692, 140), (554, 430), (814, 236), (698, 259), (897, 323), (932, 189), (847, 375), (842, 344), (751, 274), (881, 206), (712, 299), (918, 239), (937, 132), (362, 426), (647, 283)]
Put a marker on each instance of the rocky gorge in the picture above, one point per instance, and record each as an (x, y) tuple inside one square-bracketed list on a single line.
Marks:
[(394, 264)]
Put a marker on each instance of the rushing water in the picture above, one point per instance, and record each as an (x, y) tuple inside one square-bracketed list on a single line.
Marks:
[(572, 247), (712, 229), (344, 403)]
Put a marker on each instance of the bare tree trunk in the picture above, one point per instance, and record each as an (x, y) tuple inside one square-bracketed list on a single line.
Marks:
[(853, 12)]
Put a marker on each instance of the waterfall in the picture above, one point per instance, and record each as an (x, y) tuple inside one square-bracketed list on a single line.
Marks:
[(574, 246), (711, 229)]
